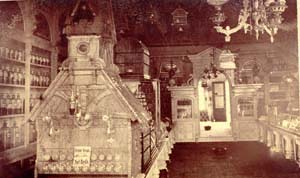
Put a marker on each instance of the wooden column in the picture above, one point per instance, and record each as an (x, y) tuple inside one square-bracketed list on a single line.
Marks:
[(54, 58), (289, 151), (298, 30), (28, 47), (278, 142), (269, 138)]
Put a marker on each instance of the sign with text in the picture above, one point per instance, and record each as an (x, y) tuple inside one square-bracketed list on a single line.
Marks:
[(82, 156)]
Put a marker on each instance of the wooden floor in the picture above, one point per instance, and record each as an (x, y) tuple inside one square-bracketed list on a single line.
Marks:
[(241, 160)]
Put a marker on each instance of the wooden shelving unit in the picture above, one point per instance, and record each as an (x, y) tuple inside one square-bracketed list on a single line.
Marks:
[(22, 81)]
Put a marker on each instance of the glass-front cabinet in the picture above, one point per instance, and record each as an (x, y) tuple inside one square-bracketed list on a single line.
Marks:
[(184, 109), (184, 113), (245, 107)]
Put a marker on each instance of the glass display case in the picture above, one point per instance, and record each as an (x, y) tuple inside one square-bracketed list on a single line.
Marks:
[(184, 109), (245, 107)]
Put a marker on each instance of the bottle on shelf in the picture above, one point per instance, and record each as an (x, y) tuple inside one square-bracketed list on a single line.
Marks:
[(20, 56), (6, 53), (11, 54), (4, 104), (31, 58), (16, 55), (17, 135), (14, 104), (9, 105), (9, 138), (32, 78), (48, 61), (1, 106), (2, 51), (9, 74), (47, 79), (5, 135), (23, 76), (5, 75), (19, 76), (19, 104), (1, 74), (37, 79), (15, 76), (42, 80)]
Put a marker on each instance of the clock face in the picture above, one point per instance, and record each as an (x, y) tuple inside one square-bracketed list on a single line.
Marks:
[(83, 48)]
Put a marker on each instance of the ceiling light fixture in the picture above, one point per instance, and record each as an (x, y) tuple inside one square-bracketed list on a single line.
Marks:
[(259, 16)]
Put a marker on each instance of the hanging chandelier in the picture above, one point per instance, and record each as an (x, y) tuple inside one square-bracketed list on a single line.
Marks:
[(259, 16), (211, 72)]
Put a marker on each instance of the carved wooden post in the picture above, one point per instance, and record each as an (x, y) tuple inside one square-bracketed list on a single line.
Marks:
[(289, 151), (278, 144), (269, 138)]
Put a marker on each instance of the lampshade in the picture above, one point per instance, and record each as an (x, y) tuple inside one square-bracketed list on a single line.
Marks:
[(216, 2)]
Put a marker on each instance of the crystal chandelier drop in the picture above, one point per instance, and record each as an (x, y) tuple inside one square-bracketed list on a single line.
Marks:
[(259, 16), (211, 72)]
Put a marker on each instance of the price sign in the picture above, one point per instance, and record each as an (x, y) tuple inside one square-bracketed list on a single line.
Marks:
[(82, 156)]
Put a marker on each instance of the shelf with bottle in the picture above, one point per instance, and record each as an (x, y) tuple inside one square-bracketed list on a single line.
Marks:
[(40, 57), (40, 61), (40, 78), (10, 54), (11, 134), (11, 105), (12, 75)]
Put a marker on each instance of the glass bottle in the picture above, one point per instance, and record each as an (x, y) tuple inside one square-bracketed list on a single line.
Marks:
[(47, 61), (14, 108), (5, 75), (31, 59), (16, 135), (9, 104), (38, 60), (42, 61), (1, 106), (5, 130), (47, 79), (16, 55), (37, 79), (40, 76), (19, 104), (9, 138), (9, 74), (6, 53), (23, 77), (4, 104), (2, 137), (15, 76), (12, 54), (31, 78), (20, 56), (19, 76), (35, 59), (2, 51), (1, 74), (72, 103)]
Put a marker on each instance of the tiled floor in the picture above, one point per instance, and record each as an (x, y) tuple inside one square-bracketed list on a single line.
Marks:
[(241, 160)]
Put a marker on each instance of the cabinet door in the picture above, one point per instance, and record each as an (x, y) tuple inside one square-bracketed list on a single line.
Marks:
[(219, 101)]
